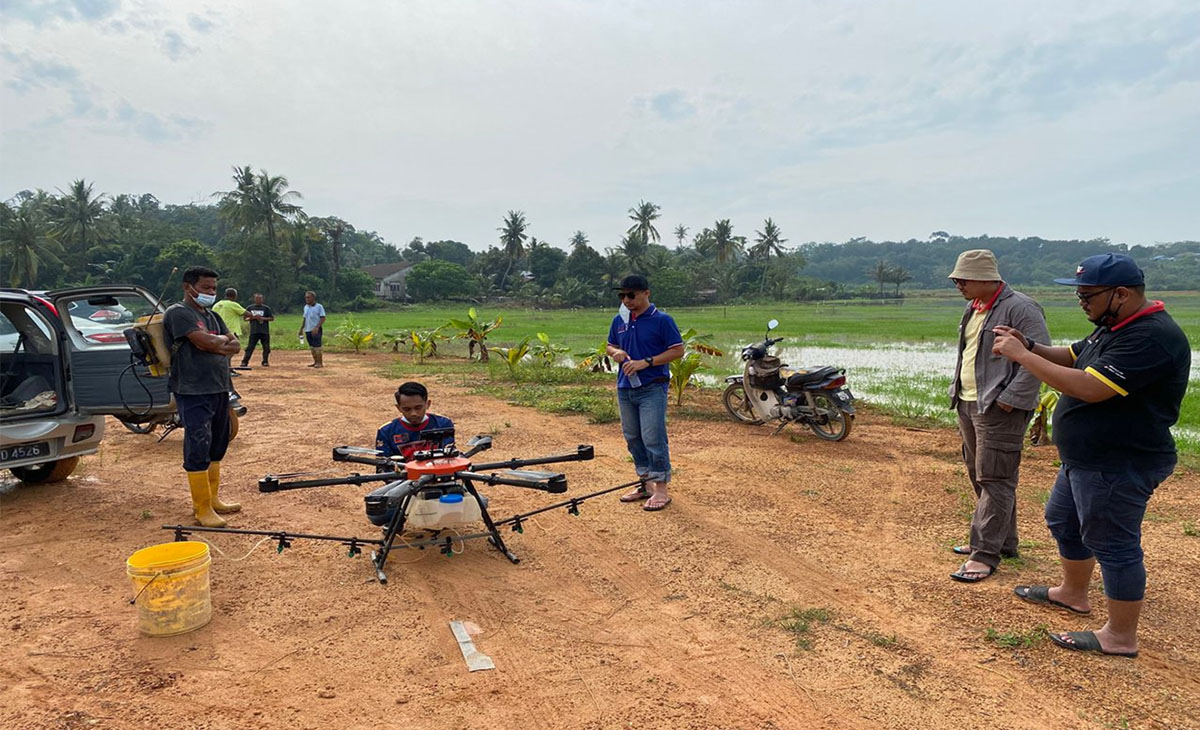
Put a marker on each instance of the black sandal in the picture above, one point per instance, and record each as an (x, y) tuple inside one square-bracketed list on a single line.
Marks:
[(971, 576), (1041, 596)]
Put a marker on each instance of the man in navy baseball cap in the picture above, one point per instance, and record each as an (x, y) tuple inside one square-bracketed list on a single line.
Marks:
[(1100, 274), (1122, 387)]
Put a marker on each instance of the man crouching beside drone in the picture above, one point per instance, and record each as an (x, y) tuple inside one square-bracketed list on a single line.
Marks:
[(405, 435)]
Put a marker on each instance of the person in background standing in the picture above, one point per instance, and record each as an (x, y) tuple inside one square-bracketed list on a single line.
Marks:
[(313, 326), (260, 317), (994, 399), (231, 313)]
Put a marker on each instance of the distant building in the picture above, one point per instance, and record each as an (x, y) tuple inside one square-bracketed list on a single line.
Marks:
[(390, 279)]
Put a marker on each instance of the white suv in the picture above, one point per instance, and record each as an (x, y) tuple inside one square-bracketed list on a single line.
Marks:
[(42, 431)]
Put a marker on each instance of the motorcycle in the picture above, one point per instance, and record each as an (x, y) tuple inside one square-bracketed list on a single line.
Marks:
[(768, 391), (171, 420)]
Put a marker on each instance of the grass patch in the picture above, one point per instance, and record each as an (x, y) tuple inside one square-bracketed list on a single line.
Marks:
[(799, 622), (1017, 639), (1190, 529)]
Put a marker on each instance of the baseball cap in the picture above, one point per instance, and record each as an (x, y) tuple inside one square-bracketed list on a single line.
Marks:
[(634, 282), (1106, 269)]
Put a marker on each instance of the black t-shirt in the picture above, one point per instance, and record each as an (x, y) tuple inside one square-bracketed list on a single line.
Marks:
[(194, 371), (1146, 360), (256, 327)]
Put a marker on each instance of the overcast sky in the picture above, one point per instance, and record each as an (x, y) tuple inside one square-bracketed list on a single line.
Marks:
[(838, 119)]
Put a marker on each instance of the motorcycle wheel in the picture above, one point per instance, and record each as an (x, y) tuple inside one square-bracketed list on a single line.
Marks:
[(829, 422), (738, 404), (142, 428)]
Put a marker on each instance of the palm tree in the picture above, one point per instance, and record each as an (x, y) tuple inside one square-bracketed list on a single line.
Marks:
[(333, 228), (512, 239), (769, 241), (725, 245), (579, 238), (273, 206), (643, 217), (635, 248), (28, 239), (79, 215), (881, 272), (681, 232)]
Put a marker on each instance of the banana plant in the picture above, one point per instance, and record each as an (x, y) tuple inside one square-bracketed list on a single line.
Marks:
[(1039, 430), (355, 334), (598, 359), (393, 339), (475, 331), (685, 368), (514, 355), (545, 351), (424, 344)]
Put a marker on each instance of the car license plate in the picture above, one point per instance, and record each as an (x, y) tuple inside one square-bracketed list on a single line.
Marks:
[(24, 451)]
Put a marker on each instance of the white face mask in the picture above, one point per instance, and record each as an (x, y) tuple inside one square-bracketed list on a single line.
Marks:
[(411, 423), (624, 312), (206, 300)]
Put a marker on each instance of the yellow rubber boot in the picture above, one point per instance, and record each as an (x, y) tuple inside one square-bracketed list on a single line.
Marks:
[(202, 500), (214, 482)]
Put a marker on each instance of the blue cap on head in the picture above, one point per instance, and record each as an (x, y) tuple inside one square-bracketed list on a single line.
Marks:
[(1106, 269)]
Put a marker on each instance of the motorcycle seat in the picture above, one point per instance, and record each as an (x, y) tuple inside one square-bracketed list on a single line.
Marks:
[(803, 377)]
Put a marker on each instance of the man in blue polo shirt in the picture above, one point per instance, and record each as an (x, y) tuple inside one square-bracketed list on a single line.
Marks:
[(1121, 388), (644, 341), (408, 433)]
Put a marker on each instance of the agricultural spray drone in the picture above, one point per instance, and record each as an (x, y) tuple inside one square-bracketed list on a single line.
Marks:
[(432, 490)]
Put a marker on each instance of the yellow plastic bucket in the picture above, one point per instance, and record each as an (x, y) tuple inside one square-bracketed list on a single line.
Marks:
[(170, 587)]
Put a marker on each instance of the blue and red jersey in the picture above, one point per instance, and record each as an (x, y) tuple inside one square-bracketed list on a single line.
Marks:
[(397, 438)]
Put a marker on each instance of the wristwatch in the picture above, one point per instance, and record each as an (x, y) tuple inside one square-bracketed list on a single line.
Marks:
[(649, 360)]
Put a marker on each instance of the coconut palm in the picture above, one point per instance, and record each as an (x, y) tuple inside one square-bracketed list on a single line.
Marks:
[(578, 238), (333, 229), (28, 240), (635, 248), (643, 217), (79, 216), (681, 232), (768, 241), (724, 245), (512, 240)]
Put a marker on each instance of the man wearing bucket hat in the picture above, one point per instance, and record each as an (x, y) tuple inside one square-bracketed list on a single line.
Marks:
[(994, 399), (1122, 387)]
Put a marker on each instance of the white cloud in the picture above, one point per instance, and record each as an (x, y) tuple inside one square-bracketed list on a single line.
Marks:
[(433, 118)]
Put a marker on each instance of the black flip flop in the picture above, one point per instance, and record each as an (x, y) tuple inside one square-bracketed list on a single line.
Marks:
[(1041, 596), (963, 576), (1085, 641), (966, 550)]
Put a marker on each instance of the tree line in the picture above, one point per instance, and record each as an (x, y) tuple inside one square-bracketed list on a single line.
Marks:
[(257, 234)]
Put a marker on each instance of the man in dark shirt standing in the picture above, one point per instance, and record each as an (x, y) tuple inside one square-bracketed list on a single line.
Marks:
[(200, 350), (1121, 388), (260, 317)]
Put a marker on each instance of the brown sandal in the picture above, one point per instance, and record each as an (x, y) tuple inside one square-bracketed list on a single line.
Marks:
[(637, 494)]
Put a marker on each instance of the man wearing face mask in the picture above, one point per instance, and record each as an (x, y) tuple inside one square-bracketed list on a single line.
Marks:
[(406, 434), (199, 379), (1121, 388)]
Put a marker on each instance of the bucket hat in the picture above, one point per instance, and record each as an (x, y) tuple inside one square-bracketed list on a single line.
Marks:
[(978, 264)]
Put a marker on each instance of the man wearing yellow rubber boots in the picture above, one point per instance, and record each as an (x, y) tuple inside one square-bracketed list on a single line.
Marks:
[(201, 346)]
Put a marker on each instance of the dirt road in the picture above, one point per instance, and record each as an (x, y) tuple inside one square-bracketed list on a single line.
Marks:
[(792, 584)]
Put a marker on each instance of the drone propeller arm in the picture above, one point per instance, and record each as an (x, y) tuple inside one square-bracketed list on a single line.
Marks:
[(271, 483), (552, 483), (583, 452)]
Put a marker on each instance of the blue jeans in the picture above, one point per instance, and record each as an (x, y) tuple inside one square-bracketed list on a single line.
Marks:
[(644, 423), (1099, 514)]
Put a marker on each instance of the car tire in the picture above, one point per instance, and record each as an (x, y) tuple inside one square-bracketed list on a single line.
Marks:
[(51, 471)]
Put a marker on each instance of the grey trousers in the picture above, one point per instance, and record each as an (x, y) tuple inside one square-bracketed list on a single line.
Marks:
[(991, 446)]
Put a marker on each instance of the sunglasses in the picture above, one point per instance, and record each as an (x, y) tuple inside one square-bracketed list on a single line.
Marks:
[(1085, 297), (959, 282), (627, 294)]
